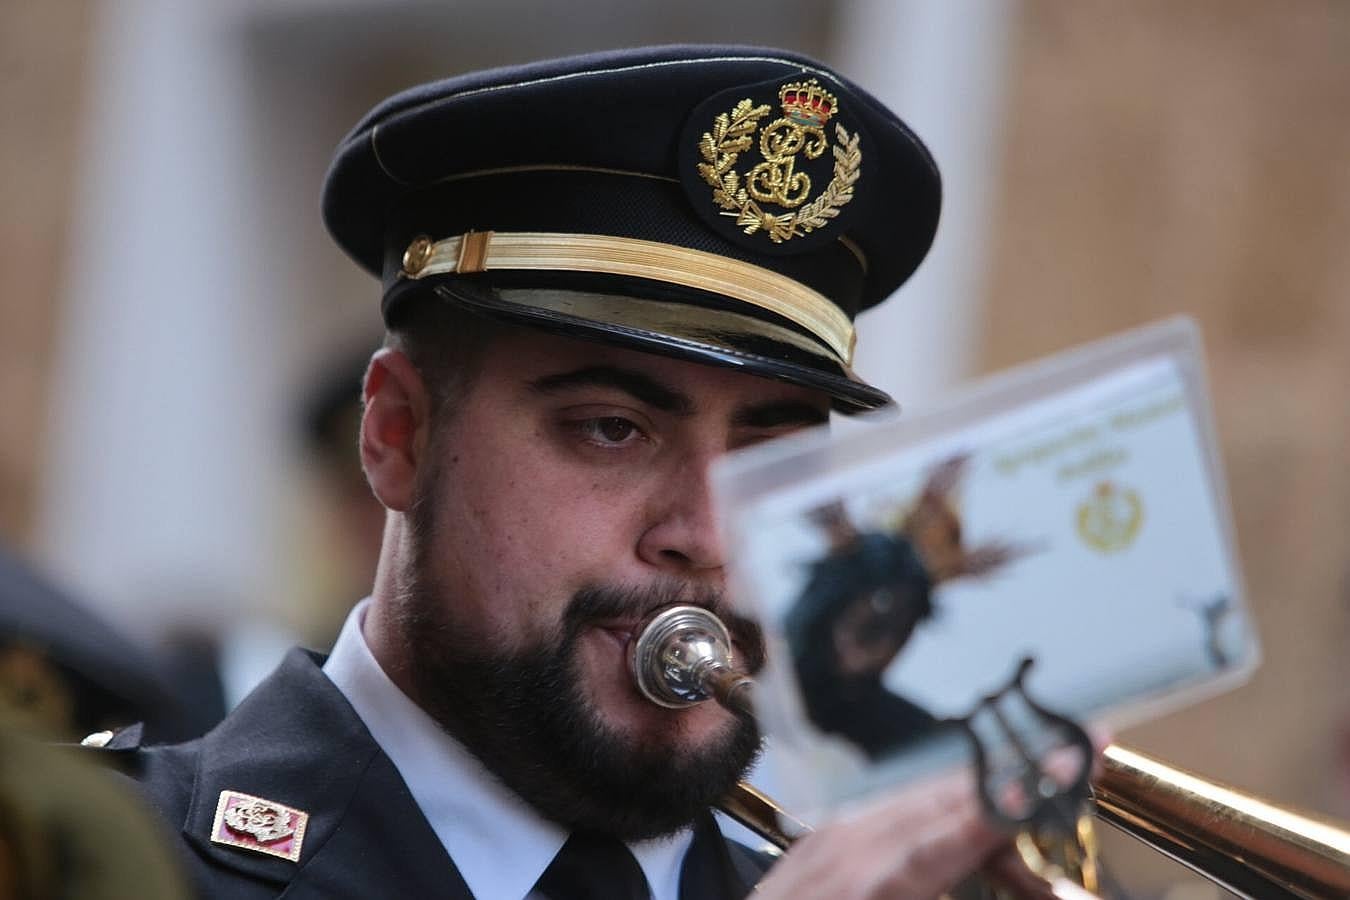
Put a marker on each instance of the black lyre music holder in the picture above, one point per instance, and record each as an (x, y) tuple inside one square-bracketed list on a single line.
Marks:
[(1011, 735)]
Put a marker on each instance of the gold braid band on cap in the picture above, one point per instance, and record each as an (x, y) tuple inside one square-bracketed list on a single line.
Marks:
[(483, 251)]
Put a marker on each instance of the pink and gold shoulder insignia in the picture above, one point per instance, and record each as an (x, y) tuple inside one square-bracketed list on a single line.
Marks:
[(263, 826)]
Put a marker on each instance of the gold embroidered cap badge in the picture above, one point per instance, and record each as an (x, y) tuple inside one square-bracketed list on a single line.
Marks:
[(785, 144)]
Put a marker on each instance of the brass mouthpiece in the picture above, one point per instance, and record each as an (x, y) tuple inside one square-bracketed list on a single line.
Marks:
[(682, 656)]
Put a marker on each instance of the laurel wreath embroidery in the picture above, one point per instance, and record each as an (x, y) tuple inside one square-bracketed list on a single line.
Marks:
[(733, 133)]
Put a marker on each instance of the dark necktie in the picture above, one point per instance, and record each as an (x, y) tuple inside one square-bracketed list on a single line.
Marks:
[(593, 867), (715, 869)]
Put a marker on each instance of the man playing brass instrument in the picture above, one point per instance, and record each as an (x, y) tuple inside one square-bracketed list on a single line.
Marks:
[(599, 274)]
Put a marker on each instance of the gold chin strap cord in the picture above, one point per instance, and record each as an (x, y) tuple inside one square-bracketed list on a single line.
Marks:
[(484, 251)]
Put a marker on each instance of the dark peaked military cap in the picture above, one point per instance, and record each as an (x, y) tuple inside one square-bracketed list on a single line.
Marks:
[(729, 205)]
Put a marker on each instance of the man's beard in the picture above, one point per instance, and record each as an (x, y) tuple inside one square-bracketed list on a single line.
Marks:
[(526, 716)]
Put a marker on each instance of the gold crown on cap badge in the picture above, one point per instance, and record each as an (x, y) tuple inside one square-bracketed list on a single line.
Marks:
[(807, 103)]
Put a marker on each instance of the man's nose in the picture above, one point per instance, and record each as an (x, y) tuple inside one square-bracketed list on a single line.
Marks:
[(680, 534)]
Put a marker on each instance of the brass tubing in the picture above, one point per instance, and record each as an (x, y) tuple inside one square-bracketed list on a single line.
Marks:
[(756, 811), (731, 689), (1251, 847)]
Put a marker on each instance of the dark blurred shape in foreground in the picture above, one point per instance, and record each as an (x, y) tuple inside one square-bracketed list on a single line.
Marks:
[(65, 673), (69, 831)]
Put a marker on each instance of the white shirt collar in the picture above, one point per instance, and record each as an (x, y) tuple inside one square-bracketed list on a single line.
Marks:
[(498, 842)]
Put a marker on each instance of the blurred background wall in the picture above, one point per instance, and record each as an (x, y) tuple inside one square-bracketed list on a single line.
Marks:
[(169, 295)]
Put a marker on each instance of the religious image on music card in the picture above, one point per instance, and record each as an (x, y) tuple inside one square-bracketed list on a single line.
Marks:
[(1071, 513)]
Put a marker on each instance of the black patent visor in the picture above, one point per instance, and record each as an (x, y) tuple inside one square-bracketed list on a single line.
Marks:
[(679, 330)]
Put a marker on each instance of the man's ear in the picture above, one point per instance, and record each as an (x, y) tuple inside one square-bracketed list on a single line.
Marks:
[(394, 427)]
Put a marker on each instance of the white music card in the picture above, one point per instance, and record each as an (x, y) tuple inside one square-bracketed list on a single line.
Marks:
[(1072, 511)]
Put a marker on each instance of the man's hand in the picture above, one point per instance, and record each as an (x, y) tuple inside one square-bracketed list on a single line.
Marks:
[(917, 843)]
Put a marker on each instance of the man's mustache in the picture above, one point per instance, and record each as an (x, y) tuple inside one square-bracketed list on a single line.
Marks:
[(601, 602)]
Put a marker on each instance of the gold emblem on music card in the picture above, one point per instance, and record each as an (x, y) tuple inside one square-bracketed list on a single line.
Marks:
[(776, 181), (1110, 519)]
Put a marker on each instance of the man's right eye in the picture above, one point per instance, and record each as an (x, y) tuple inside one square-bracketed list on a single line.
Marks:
[(610, 430), (614, 429)]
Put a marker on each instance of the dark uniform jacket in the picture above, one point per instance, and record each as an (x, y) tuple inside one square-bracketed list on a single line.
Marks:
[(296, 741)]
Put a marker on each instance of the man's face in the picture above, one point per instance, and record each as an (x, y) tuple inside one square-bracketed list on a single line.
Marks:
[(562, 500)]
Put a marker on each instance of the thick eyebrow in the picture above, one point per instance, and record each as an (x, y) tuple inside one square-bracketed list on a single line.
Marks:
[(793, 413), (638, 385)]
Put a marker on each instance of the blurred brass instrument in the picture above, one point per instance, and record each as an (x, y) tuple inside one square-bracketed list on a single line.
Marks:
[(1249, 846), (1252, 848)]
